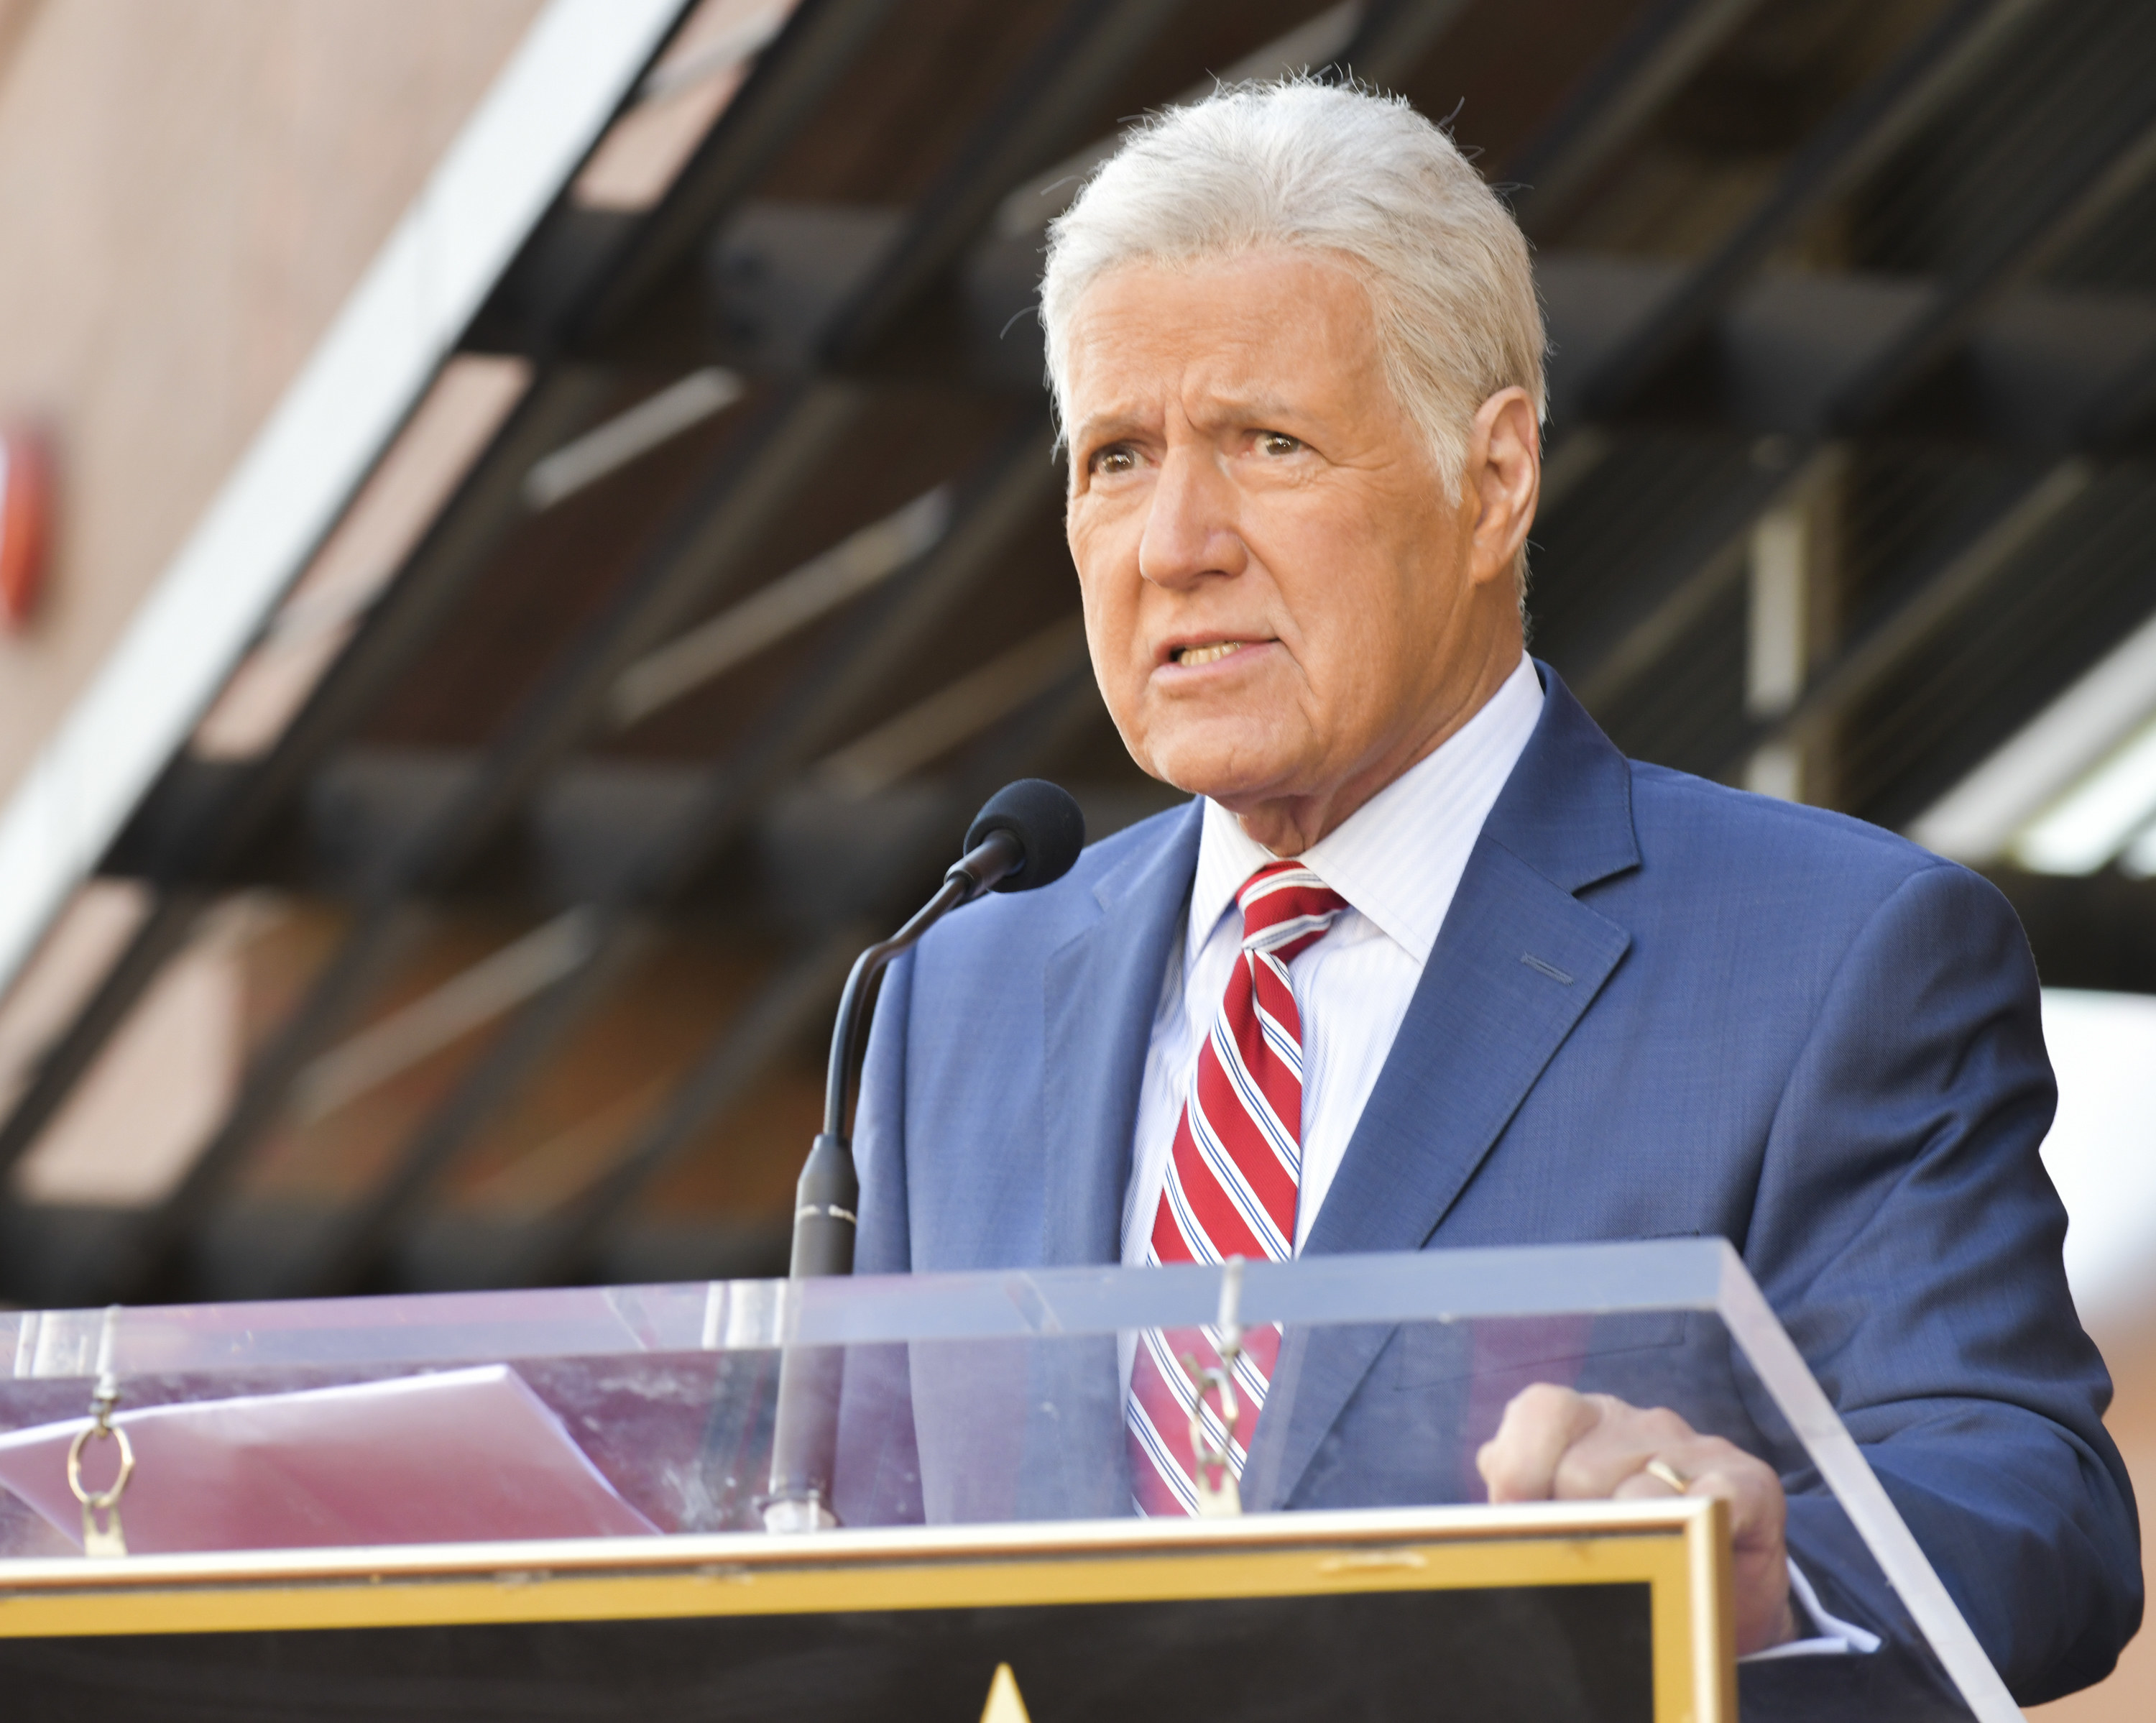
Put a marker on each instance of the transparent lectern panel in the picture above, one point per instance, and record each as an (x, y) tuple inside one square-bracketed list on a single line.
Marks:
[(1345, 1415), (645, 1412)]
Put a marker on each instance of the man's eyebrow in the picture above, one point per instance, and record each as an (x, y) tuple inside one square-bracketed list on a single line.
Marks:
[(1109, 425), (1114, 423)]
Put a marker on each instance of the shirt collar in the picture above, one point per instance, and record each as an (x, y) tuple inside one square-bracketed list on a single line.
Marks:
[(1412, 835)]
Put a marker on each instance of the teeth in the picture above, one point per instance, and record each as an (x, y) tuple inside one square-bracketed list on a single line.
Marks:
[(1208, 654)]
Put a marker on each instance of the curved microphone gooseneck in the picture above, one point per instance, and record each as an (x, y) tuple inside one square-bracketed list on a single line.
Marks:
[(1026, 836)]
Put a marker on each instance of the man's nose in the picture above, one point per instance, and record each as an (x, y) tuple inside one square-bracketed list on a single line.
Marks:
[(1191, 529)]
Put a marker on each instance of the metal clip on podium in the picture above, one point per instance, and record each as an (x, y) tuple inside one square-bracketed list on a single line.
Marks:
[(101, 1535), (1027, 836)]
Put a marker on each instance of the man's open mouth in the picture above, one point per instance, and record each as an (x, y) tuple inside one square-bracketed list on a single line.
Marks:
[(1209, 653)]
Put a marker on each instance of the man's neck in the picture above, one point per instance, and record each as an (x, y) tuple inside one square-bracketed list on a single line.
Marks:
[(1288, 826)]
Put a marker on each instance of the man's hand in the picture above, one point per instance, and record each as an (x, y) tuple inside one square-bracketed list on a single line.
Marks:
[(1554, 1445)]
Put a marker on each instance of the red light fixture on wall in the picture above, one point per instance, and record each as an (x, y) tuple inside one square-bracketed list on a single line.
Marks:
[(26, 523)]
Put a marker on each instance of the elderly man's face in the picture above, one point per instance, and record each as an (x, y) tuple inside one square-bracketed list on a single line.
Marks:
[(1284, 610)]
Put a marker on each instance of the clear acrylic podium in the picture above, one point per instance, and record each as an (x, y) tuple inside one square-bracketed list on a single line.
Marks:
[(484, 1505)]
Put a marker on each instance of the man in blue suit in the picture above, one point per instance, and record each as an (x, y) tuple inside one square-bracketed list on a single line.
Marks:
[(1525, 990)]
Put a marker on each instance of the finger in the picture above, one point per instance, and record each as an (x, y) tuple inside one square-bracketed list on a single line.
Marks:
[(1759, 1573), (1758, 1514), (1614, 1450), (1656, 1480), (1757, 1510), (1540, 1425)]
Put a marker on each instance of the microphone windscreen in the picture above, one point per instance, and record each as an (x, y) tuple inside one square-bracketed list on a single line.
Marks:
[(1044, 819)]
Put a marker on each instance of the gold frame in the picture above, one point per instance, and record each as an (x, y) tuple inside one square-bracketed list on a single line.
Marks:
[(1678, 1548)]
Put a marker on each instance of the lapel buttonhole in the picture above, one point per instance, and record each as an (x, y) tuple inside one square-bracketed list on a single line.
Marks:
[(1539, 967)]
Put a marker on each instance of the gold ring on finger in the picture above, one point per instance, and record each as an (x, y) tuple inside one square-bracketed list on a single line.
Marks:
[(1663, 1473)]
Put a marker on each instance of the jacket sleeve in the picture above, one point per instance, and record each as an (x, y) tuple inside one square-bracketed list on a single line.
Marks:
[(1907, 1233)]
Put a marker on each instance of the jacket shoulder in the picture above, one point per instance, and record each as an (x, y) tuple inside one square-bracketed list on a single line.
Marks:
[(1675, 815)]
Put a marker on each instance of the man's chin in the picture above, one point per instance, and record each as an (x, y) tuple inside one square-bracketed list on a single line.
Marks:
[(1239, 751), (1232, 781)]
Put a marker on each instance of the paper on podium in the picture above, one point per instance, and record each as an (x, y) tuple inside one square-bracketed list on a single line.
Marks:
[(465, 1455)]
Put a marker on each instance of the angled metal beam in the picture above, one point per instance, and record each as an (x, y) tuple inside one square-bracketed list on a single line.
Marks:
[(2126, 409), (1027, 209), (2103, 160), (668, 582), (354, 1243), (2033, 694), (744, 1050), (1868, 126), (1065, 78), (373, 368), (1086, 56), (190, 857), (1023, 482), (1787, 342), (1960, 579), (782, 271), (1042, 112), (820, 43), (802, 724), (793, 76), (690, 567), (1394, 37), (2097, 932), (1685, 584), (694, 563), (60, 1067), (2088, 173), (1620, 99), (1958, 45), (901, 746), (689, 563), (769, 1022), (1970, 572)]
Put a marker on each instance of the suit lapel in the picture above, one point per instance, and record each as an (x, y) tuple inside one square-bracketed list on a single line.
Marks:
[(1482, 1024), (1517, 963), (1102, 987)]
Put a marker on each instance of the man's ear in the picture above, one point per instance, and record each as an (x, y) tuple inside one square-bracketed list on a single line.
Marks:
[(1504, 478)]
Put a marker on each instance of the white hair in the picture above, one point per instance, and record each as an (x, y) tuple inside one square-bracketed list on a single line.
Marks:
[(1320, 167)]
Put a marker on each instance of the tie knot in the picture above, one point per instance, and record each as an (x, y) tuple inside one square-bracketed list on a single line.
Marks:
[(1285, 903)]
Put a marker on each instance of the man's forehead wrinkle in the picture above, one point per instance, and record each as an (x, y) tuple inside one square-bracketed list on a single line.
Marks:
[(1221, 384), (1251, 407)]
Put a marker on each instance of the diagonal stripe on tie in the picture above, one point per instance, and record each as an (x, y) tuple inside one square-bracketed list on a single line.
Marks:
[(1265, 1110), (1233, 1178)]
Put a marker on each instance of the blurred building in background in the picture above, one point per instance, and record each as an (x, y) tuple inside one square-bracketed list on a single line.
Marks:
[(550, 527)]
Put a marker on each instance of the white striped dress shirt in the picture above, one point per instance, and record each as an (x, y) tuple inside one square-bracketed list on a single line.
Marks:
[(1397, 860)]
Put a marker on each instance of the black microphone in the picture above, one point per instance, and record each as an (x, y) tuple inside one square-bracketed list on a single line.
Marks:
[(1045, 820), (1027, 836)]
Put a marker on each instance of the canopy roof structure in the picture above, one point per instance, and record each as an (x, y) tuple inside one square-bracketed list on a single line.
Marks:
[(620, 622)]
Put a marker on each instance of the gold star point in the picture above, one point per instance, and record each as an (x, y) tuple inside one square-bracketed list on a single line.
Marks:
[(1005, 1705)]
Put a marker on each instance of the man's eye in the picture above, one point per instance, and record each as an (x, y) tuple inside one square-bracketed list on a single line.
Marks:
[(1277, 443), (1118, 458)]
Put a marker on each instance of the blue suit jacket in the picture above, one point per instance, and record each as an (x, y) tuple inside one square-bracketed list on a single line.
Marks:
[(1657, 1006)]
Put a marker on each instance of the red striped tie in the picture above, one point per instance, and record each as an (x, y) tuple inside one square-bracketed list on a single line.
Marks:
[(1231, 1186)]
